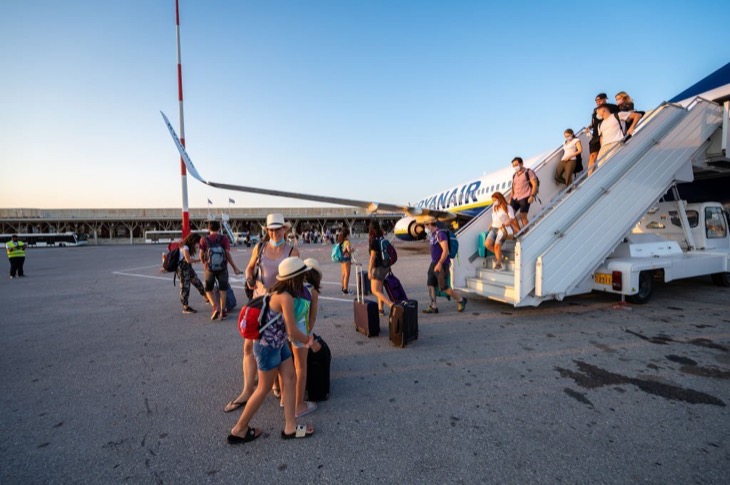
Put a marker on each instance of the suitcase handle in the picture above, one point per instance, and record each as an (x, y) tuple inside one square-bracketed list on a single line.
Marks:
[(359, 284)]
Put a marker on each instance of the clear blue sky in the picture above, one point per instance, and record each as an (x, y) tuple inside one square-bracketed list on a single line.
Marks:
[(379, 99)]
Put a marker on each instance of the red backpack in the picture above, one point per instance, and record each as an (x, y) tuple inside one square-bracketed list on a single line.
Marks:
[(254, 317)]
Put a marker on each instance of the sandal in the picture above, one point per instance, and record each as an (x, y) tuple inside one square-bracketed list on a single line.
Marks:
[(233, 405), (302, 432), (276, 391), (251, 434)]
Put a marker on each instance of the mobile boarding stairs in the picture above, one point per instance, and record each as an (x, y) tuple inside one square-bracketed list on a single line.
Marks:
[(572, 232)]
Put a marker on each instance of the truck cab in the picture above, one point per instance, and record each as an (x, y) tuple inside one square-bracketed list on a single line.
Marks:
[(673, 240)]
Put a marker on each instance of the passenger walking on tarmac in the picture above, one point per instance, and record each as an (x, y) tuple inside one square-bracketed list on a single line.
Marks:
[(524, 189), (343, 239), (305, 314), (612, 130), (261, 277), (572, 149), (273, 356), (376, 271), (16, 256), (503, 217), (594, 145), (185, 272), (215, 252), (439, 268)]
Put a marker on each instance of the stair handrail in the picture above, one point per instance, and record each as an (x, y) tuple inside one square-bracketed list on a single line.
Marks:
[(584, 174)]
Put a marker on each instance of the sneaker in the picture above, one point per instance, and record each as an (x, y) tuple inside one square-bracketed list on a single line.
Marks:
[(189, 309), (461, 305), (214, 316), (498, 267), (430, 309), (224, 314), (381, 313), (12, 277)]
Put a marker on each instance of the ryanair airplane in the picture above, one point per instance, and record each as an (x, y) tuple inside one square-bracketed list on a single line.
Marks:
[(460, 203), (465, 201)]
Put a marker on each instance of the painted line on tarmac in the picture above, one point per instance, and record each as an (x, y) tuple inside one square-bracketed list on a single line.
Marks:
[(120, 273)]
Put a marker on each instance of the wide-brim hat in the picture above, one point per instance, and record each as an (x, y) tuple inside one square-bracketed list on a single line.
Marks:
[(313, 264), (276, 221), (291, 267)]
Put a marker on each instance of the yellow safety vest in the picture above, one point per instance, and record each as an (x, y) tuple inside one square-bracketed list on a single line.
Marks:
[(19, 249)]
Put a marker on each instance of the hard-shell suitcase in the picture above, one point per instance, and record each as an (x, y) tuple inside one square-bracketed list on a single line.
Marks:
[(367, 319), (318, 372), (403, 324), (481, 248), (394, 288)]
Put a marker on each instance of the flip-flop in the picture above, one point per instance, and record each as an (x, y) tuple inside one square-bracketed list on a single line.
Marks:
[(276, 391), (251, 434), (301, 432), (311, 406), (233, 405)]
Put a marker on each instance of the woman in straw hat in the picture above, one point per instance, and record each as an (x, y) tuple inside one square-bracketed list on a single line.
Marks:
[(260, 277), (273, 355)]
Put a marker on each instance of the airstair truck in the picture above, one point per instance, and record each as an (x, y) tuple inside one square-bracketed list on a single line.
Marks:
[(674, 240), (605, 232)]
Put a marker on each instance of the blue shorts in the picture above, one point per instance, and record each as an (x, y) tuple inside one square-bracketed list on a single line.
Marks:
[(269, 358)]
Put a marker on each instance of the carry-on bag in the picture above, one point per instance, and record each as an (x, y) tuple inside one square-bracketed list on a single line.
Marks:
[(318, 372), (394, 288), (403, 324), (367, 320)]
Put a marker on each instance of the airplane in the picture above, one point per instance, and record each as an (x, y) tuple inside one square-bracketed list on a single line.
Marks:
[(459, 203), (467, 200)]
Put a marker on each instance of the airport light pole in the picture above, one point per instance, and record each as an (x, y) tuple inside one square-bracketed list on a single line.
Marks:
[(183, 171)]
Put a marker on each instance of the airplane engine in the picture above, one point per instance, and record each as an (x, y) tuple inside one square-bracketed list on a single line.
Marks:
[(407, 229)]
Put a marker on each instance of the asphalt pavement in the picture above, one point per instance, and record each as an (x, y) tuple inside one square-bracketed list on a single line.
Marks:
[(105, 381)]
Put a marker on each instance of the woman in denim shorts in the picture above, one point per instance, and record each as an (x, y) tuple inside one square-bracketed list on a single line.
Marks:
[(273, 355)]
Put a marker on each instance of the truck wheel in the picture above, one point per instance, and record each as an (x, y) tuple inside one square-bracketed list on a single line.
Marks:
[(721, 279), (646, 288)]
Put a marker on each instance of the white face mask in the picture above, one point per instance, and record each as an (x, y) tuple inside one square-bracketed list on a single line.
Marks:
[(517, 168), (428, 230)]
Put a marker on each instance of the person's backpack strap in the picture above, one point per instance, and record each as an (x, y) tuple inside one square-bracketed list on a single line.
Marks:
[(260, 248), (620, 124)]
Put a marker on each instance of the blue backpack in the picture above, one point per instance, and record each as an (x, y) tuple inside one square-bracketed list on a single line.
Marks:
[(337, 256), (453, 245)]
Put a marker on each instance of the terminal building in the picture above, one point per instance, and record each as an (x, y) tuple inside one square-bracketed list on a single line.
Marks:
[(139, 226)]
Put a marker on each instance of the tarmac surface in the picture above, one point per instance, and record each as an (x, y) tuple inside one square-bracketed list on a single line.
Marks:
[(105, 381)]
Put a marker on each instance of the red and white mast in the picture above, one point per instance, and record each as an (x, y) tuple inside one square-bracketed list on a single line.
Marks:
[(183, 172)]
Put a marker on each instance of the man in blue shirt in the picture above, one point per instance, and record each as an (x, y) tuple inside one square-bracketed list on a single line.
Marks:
[(438, 271)]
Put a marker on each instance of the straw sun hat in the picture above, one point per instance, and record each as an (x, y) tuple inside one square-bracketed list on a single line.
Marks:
[(276, 221), (291, 267)]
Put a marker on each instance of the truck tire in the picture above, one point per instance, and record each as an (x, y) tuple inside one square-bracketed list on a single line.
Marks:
[(646, 289), (721, 279)]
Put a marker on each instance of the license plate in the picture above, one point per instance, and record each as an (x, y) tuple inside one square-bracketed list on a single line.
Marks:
[(603, 279)]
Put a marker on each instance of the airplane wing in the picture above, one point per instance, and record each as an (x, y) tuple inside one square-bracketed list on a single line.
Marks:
[(370, 206)]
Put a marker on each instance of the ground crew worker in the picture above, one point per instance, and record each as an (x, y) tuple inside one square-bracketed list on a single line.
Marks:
[(16, 255)]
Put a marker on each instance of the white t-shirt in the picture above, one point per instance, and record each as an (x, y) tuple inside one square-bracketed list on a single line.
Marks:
[(610, 129), (182, 249), (570, 150), (501, 218)]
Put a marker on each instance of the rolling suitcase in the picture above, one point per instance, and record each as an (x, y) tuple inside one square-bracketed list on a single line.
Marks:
[(394, 289), (403, 324), (367, 320), (318, 372)]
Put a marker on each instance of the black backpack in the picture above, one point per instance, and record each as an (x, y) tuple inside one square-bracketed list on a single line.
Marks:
[(171, 260)]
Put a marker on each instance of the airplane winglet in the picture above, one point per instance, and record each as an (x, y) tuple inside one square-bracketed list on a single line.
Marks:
[(183, 154)]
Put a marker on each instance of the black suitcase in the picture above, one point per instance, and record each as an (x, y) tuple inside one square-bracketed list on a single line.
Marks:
[(318, 372), (367, 319), (403, 324)]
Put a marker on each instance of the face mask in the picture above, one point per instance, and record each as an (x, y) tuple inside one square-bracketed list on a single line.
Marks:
[(599, 117), (276, 244), (428, 231), (517, 168)]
